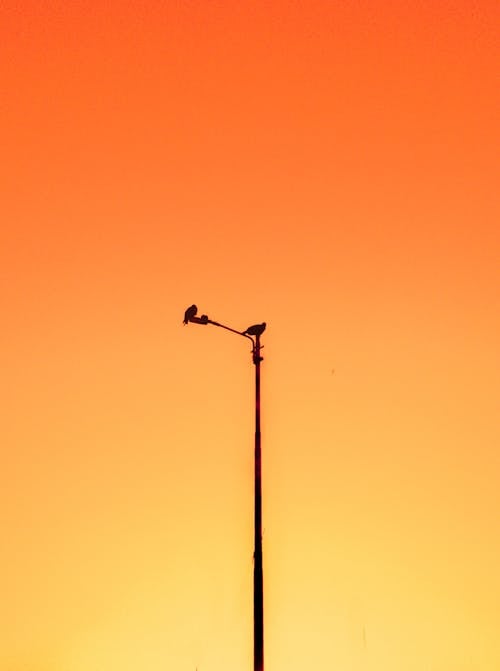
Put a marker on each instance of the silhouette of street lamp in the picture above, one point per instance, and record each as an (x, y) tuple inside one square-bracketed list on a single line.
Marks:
[(253, 333)]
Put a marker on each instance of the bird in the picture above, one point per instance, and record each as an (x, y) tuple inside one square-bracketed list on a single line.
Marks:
[(190, 313), (255, 330)]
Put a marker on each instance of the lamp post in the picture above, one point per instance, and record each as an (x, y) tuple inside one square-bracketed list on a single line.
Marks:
[(253, 333)]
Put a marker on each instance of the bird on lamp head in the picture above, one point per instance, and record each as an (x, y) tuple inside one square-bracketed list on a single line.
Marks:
[(255, 330), (190, 313)]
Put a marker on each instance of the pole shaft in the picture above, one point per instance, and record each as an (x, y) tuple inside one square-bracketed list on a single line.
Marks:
[(258, 586)]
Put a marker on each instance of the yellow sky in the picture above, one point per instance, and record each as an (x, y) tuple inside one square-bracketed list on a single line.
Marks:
[(330, 168)]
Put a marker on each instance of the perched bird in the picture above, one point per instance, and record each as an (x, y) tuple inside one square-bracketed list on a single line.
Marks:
[(190, 313), (255, 330)]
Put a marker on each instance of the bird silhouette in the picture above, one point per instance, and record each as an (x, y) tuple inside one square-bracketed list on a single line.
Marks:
[(190, 313), (255, 330)]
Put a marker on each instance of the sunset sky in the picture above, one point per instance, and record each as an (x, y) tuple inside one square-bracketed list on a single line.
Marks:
[(331, 168)]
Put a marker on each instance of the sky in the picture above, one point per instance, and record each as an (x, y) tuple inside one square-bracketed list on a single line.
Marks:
[(330, 168)]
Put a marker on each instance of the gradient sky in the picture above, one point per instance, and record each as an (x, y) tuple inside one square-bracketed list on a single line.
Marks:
[(330, 168)]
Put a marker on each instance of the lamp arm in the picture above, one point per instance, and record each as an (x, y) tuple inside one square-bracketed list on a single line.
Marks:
[(228, 328)]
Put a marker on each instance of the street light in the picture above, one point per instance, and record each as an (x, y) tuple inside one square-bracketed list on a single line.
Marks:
[(253, 333)]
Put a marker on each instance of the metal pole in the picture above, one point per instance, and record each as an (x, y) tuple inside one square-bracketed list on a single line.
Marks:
[(258, 582)]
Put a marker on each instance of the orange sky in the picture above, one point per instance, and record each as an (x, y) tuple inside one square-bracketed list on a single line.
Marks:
[(330, 168)]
